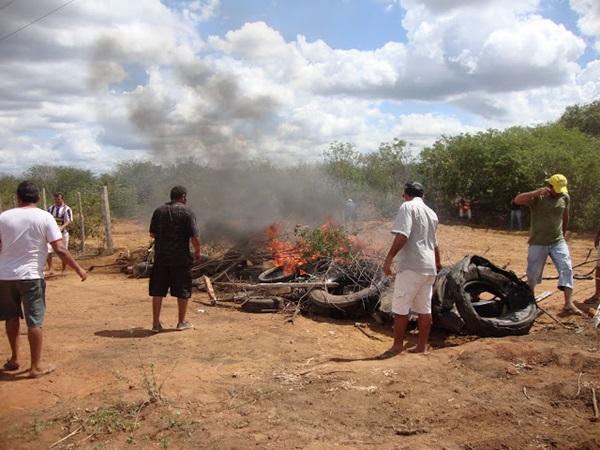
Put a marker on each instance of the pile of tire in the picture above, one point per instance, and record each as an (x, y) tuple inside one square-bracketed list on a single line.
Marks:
[(358, 293), (457, 304)]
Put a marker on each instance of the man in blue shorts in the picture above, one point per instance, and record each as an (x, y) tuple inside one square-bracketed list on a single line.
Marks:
[(25, 233), (173, 226), (549, 220)]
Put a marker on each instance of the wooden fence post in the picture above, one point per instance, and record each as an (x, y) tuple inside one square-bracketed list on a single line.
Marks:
[(44, 199), (106, 216), (81, 223)]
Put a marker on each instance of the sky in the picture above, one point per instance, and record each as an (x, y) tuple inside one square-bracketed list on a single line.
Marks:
[(97, 82)]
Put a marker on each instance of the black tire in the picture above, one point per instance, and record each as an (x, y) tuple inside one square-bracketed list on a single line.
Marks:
[(263, 304), (444, 313), (276, 275), (514, 310), (142, 269), (352, 304)]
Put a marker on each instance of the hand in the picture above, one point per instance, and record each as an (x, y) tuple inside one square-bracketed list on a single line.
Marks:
[(438, 268), (387, 268), (544, 191), (197, 257), (82, 274)]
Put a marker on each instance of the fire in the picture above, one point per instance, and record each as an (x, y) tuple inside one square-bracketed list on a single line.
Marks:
[(288, 256)]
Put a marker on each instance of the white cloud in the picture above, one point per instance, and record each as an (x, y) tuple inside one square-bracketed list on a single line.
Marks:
[(589, 20), (107, 81)]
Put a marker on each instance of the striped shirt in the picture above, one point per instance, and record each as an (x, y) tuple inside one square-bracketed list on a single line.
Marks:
[(61, 214)]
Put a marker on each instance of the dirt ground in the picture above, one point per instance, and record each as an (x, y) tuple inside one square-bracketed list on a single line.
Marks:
[(242, 380)]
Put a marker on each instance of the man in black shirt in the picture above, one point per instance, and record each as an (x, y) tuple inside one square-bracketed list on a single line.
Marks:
[(173, 225)]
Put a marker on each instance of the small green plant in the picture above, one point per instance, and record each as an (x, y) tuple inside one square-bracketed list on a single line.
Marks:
[(164, 442), (326, 241), (38, 426), (150, 383)]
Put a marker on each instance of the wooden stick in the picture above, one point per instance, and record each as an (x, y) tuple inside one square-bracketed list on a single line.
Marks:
[(210, 290), (595, 405), (358, 325), (578, 384), (66, 437), (525, 392), (553, 318), (302, 284)]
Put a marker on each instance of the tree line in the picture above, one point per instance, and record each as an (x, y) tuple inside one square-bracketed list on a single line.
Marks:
[(488, 167)]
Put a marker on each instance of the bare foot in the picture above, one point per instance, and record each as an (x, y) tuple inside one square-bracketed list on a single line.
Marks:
[(41, 372), (572, 309), (415, 349), (592, 300)]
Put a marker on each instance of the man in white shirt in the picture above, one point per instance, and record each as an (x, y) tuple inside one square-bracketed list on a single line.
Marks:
[(25, 233), (63, 216), (418, 262)]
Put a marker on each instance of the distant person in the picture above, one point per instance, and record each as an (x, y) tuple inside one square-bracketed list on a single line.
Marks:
[(350, 215), (549, 220), (516, 216), (418, 261), (173, 226), (464, 209), (64, 217), (596, 297), (25, 233)]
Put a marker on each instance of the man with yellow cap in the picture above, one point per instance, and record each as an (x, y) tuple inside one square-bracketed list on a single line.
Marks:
[(549, 219)]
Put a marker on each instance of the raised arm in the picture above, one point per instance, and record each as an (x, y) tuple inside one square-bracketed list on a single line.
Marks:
[(524, 198)]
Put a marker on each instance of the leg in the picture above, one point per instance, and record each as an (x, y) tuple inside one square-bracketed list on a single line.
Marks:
[(424, 329), (400, 323), (49, 261), (536, 258), (559, 253), (182, 304), (156, 307), (597, 275), (12, 332)]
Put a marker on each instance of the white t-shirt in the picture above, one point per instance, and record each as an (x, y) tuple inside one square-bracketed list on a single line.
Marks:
[(418, 223), (24, 235)]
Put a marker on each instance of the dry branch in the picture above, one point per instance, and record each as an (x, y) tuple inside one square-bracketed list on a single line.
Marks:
[(595, 405)]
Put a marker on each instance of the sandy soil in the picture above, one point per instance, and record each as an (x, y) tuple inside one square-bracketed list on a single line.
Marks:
[(243, 380)]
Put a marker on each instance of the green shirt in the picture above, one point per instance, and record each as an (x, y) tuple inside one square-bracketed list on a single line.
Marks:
[(546, 219)]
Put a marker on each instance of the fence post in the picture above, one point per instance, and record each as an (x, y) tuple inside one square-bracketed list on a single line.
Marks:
[(81, 223), (44, 199), (106, 217)]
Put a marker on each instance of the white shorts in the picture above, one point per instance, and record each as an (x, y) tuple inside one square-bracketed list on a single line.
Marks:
[(65, 238), (412, 292)]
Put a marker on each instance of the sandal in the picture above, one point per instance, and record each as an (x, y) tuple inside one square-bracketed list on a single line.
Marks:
[(157, 329)]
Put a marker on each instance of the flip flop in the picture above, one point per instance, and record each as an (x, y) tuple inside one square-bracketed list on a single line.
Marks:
[(592, 300), (571, 311), (51, 368), (10, 365), (387, 354), (157, 329), (413, 349)]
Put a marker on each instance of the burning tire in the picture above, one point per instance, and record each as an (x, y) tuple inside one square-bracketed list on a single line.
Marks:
[(469, 284), (276, 275)]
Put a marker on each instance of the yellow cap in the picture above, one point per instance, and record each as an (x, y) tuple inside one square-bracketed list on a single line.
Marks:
[(558, 183)]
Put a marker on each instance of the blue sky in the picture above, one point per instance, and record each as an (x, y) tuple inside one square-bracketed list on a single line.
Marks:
[(97, 83)]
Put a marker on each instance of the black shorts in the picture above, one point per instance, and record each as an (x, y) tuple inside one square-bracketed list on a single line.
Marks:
[(176, 279)]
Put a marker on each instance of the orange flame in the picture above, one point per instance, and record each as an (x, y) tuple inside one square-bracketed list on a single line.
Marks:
[(286, 255)]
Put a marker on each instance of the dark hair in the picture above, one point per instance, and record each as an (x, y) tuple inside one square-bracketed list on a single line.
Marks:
[(177, 192), (59, 194), (28, 192), (414, 189)]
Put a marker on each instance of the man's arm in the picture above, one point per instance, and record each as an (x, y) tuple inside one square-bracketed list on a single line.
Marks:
[(438, 261), (67, 219), (399, 242), (65, 257), (525, 198), (196, 245), (565, 221)]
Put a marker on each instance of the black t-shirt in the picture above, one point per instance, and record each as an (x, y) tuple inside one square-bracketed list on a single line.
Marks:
[(173, 224)]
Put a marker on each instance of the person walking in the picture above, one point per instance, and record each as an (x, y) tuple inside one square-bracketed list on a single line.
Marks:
[(418, 260), (25, 233), (173, 226), (549, 220), (64, 217)]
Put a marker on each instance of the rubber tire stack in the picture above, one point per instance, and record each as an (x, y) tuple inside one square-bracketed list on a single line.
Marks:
[(456, 306)]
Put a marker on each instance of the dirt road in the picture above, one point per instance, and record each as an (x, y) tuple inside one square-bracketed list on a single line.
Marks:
[(240, 380)]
